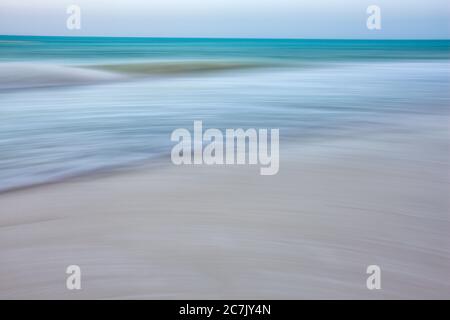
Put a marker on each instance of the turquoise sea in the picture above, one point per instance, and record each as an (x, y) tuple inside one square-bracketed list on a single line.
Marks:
[(71, 106)]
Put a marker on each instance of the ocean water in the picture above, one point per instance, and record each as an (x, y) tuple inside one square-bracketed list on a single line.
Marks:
[(71, 106)]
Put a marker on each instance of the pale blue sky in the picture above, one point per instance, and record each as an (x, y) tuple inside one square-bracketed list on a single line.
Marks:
[(229, 18)]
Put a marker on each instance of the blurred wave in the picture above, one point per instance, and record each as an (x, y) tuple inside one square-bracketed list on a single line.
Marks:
[(178, 67), (77, 110), (35, 75)]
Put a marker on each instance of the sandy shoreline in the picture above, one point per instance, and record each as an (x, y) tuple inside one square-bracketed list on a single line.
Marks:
[(227, 232)]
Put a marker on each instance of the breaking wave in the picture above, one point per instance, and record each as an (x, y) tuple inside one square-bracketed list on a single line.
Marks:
[(34, 75)]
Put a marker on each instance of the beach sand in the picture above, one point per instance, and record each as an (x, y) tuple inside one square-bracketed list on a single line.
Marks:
[(183, 232)]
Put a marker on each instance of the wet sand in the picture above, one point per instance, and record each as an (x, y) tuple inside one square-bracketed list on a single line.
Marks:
[(227, 232)]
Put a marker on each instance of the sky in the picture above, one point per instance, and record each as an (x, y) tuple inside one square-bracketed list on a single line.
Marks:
[(343, 19)]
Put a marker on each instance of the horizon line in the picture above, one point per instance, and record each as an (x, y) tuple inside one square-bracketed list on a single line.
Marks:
[(222, 38)]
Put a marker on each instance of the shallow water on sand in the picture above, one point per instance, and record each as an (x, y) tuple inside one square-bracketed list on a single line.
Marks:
[(70, 107)]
